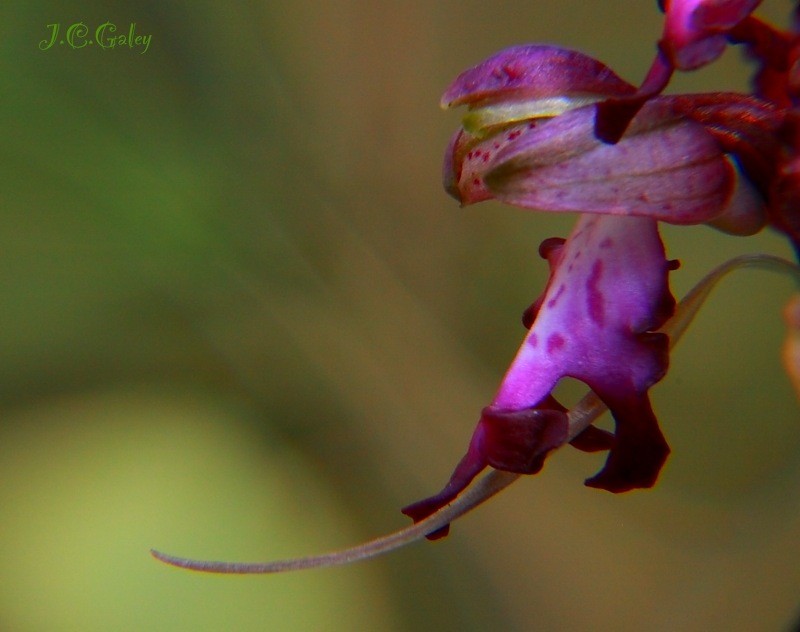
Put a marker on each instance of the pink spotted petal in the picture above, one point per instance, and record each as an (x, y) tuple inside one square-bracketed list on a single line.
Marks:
[(608, 288), (465, 162), (666, 168), (749, 129), (608, 293)]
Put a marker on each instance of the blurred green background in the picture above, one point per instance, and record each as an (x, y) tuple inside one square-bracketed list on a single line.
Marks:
[(241, 320)]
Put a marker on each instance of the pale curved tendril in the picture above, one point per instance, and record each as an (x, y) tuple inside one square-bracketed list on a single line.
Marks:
[(581, 416), (687, 309), (494, 482)]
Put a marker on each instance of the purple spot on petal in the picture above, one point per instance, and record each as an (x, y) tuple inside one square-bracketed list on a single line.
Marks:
[(607, 243), (511, 72), (533, 340), (554, 343), (552, 302), (595, 303)]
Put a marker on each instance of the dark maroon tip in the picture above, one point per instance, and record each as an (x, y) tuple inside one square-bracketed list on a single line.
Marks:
[(639, 450)]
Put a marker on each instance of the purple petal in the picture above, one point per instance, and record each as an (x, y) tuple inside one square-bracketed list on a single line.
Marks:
[(665, 168), (608, 288), (465, 162), (756, 133), (534, 71)]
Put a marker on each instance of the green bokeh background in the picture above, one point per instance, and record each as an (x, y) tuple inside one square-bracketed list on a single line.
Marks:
[(241, 320)]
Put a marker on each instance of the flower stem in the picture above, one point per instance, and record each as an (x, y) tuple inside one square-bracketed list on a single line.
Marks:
[(494, 482)]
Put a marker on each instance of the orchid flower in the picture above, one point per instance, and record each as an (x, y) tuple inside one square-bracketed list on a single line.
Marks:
[(606, 316), (608, 293)]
